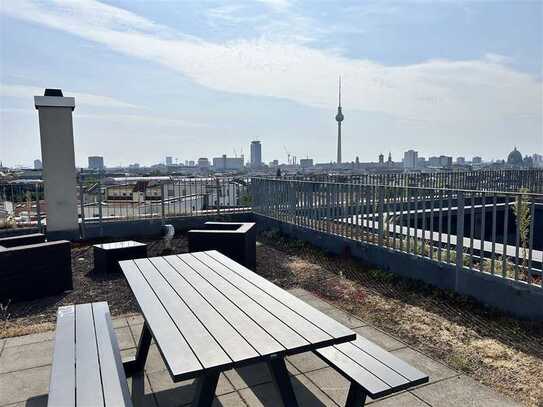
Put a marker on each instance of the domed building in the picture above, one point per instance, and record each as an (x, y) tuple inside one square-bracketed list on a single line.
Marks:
[(514, 158)]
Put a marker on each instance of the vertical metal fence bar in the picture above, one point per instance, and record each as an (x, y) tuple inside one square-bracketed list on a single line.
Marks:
[(380, 218), (517, 243), (408, 239), (505, 235), (449, 204), (416, 221), (471, 229), (432, 202), (459, 236), (531, 238), (483, 230), (493, 250)]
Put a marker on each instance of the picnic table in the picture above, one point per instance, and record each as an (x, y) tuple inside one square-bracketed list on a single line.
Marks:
[(208, 314)]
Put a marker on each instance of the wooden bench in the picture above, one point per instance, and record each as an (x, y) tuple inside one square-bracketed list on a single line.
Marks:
[(87, 367), (371, 370)]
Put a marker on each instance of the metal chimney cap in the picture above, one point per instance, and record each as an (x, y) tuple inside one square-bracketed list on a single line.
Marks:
[(53, 92)]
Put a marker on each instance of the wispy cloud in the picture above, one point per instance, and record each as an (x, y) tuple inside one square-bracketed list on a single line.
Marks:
[(438, 90), (27, 92)]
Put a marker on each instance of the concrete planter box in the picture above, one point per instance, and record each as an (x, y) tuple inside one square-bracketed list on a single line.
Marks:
[(22, 240), (108, 255), (35, 271), (235, 240)]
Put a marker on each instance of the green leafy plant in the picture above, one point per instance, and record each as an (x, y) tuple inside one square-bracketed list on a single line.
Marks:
[(521, 209)]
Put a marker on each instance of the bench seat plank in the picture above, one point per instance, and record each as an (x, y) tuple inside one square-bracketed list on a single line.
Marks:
[(87, 373), (377, 371), (259, 339), (323, 321), (235, 345), (409, 372), (352, 371), (114, 382), (302, 326), (62, 383), (204, 346), (173, 346), (373, 365), (280, 331)]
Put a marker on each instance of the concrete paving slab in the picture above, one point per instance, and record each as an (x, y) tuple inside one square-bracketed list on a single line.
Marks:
[(28, 339), (330, 382), (299, 292), (135, 320), (119, 322), (435, 370), (24, 385), (344, 317), (306, 362), (317, 302), (26, 356), (380, 338), (169, 394), (229, 400), (307, 394), (404, 399), (248, 376), (462, 391), (125, 338), (154, 362)]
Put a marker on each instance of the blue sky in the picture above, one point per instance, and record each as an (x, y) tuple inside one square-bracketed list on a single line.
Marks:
[(191, 79)]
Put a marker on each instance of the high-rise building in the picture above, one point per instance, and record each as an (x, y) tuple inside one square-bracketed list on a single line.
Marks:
[(227, 163), (306, 162), (460, 160), (256, 154), (339, 119), (410, 159), (38, 165), (477, 160), (203, 163), (169, 161), (445, 161), (96, 163), (381, 159)]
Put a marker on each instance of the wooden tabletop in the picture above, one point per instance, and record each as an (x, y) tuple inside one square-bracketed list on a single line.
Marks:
[(206, 312)]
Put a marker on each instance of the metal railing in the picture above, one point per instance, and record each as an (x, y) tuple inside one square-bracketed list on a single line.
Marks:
[(486, 231), (510, 180), (22, 204), (104, 200)]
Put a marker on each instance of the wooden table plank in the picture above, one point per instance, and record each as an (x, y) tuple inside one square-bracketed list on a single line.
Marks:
[(180, 359), (62, 384), (88, 381), (326, 323), (114, 383), (231, 341), (203, 344), (269, 322), (300, 325), (382, 371), (394, 363), (250, 330)]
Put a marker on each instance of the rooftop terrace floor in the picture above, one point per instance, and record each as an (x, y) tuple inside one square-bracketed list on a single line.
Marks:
[(25, 364), (458, 343)]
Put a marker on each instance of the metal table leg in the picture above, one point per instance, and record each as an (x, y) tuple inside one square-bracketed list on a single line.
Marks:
[(205, 389), (138, 363), (281, 380), (356, 396)]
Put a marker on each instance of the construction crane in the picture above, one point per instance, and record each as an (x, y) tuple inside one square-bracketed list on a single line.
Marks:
[(288, 154)]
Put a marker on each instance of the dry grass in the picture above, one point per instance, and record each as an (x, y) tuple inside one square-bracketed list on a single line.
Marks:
[(499, 351)]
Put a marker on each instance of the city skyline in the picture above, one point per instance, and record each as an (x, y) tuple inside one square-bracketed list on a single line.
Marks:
[(157, 88)]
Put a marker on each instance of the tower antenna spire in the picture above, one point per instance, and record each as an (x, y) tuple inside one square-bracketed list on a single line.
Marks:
[(340, 91)]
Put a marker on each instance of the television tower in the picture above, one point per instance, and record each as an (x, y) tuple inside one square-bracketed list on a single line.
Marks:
[(339, 119)]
